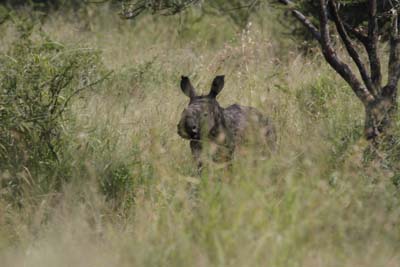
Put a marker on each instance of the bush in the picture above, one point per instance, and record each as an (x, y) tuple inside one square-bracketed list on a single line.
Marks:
[(38, 78)]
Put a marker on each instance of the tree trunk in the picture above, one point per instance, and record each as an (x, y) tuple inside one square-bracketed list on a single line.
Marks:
[(380, 115), (380, 102)]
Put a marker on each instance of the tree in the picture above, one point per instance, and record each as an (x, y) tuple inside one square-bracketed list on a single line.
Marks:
[(238, 10), (379, 99), (355, 28)]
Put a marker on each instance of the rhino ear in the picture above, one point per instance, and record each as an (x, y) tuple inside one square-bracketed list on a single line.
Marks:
[(217, 86), (187, 87)]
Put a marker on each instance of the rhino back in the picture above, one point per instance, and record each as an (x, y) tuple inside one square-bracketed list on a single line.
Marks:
[(243, 120)]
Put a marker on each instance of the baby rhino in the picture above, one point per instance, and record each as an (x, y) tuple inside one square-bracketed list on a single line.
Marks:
[(206, 124)]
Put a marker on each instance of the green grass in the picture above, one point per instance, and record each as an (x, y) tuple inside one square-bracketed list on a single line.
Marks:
[(132, 197)]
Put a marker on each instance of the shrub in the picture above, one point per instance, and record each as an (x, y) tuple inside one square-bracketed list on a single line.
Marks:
[(38, 79)]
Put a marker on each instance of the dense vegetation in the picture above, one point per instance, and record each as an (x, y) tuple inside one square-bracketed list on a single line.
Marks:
[(92, 171)]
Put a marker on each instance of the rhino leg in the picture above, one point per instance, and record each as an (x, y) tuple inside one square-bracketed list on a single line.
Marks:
[(196, 148)]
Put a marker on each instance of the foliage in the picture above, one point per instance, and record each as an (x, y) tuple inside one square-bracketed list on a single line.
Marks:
[(44, 4), (38, 79), (238, 10)]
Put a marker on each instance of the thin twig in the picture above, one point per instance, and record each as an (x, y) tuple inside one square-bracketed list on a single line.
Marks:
[(80, 90), (303, 20)]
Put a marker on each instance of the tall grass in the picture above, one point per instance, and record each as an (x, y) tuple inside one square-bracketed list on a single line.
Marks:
[(133, 197)]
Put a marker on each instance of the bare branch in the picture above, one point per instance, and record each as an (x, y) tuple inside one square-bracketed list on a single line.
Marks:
[(372, 46), (394, 58), (356, 33), (336, 63), (304, 20), (77, 91), (350, 48), (329, 53), (132, 9), (133, 12)]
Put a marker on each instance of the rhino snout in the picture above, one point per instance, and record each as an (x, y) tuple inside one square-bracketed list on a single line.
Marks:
[(188, 131), (181, 131)]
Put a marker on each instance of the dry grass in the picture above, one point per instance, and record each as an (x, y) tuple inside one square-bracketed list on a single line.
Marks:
[(312, 204)]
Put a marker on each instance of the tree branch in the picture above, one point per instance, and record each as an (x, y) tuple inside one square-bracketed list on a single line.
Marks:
[(77, 91), (131, 13), (329, 53), (357, 34), (336, 63), (394, 57), (132, 9), (372, 46), (304, 20), (350, 48)]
